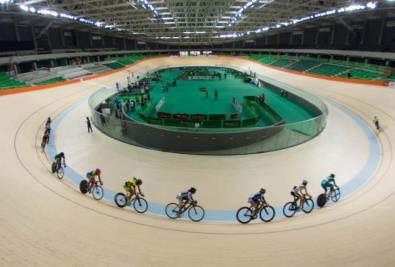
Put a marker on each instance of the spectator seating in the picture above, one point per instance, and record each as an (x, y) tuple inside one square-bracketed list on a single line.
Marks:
[(96, 68), (53, 80), (71, 72), (362, 74), (114, 65), (304, 65), (6, 82), (328, 69), (37, 77), (282, 63)]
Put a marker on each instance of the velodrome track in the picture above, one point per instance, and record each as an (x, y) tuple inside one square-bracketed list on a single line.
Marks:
[(45, 221)]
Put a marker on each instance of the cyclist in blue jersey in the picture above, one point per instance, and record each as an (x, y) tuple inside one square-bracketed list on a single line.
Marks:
[(256, 200), (328, 183)]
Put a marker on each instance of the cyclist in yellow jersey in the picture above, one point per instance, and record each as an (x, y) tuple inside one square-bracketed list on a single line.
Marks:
[(131, 186)]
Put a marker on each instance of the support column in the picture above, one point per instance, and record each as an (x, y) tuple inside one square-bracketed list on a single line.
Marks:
[(333, 35), (17, 35), (381, 35)]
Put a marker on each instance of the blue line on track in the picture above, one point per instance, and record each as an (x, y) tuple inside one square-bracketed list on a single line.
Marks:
[(230, 215)]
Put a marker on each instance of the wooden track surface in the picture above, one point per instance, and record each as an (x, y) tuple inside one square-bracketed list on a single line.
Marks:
[(47, 222)]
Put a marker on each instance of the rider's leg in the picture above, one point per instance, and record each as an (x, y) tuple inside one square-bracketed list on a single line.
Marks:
[(301, 201), (91, 184), (324, 187), (58, 164)]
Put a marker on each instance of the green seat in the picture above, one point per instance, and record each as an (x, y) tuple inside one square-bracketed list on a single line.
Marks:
[(53, 80), (303, 65), (114, 65), (6, 82), (281, 63), (329, 69)]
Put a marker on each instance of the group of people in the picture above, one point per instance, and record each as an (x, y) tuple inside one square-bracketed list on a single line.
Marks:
[(299, 192), (47, 133), (133, 187)]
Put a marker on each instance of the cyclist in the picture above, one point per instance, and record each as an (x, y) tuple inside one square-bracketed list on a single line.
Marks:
[(328, 183), (256, 200), (92, 177), (44, 141), (302, 190), (58, 159), (184, 198), (48, 123), (376, 123), (295, 193), (131, 186)]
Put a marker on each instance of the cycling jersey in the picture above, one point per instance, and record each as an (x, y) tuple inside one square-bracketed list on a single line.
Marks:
[(186, 196), (296, 191), (327, 182), (255, 198), (130, 184), (91, 174), (59, 156), (301, 189)]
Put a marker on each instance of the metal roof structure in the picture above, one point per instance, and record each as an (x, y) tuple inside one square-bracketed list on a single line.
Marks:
[(195, 22)]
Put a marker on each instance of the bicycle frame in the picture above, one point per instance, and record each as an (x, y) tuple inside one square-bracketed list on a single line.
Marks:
[(186, 207), (91, 185)]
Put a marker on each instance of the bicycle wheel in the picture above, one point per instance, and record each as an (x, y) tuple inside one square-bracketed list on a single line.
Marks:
[(120, 200), (335, 194), (244, 215), (321, 200), (140, 204), (60, 173), (289, 209), (172, 210), (84, 186), (196, 213), (97, 192), (267, 213), (308, 205)]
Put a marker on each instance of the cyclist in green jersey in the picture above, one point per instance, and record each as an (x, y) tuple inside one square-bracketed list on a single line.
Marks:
[(132, 186)]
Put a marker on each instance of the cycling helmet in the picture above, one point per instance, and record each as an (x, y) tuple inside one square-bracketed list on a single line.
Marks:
[(139, 182), (262, 190), (61, 154), (332, 175), (304, 182), (192, 190), (98, 171)]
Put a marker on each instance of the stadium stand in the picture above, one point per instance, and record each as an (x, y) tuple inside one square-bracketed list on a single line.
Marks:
[(70, 72), (303, 65), (6, 82), (332, 68), (96, 68), (328, 69)]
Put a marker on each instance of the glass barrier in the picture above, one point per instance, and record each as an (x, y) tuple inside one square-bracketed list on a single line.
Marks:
[(211, 141)]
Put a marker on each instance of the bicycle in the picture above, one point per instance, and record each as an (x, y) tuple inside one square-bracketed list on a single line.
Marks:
[(95, 189), (137, 202), (195, 212), (290, 208), (57, 167), (266, 212), (333, 194)]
